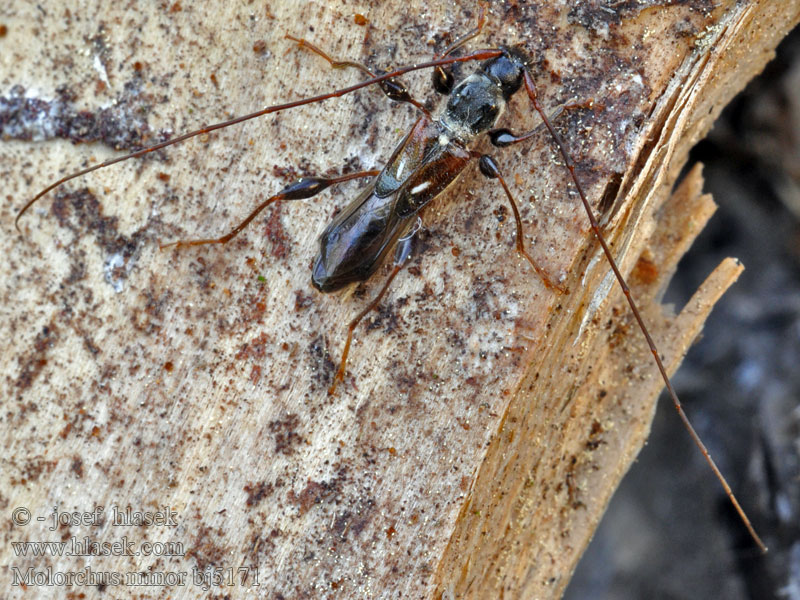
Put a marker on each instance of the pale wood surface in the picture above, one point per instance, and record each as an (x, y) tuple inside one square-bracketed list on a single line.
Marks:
[(484, 422)]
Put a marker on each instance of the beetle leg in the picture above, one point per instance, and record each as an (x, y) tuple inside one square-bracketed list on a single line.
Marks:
[(442, 77), (393, 88), (303, 188), (405, 246), (490, 169), (501, 138)]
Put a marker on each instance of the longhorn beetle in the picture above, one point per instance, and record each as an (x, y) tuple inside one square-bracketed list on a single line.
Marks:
[(385, 216)]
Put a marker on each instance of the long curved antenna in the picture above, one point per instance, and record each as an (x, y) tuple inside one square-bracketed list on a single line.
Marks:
[(530, 88), (477, 55)]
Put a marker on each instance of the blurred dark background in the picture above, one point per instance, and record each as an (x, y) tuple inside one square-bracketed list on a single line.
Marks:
[(669, 532)]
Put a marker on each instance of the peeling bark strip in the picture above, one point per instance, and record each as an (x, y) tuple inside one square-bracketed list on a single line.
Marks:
[(485, 422)]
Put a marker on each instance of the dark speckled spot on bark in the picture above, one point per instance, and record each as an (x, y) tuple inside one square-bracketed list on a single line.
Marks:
[(285, 434), (34, 361), (256, 492), (122, 126)]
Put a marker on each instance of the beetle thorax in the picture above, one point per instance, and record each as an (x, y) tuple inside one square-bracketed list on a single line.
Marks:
[(473, 107)]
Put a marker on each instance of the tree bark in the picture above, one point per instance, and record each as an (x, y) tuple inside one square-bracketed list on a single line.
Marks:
[(484, 421)]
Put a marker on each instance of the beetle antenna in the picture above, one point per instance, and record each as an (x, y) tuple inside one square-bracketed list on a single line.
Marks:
[(530, 88), (447, 60)]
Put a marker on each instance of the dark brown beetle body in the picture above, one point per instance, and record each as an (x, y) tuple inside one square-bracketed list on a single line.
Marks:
[(428, 160)]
